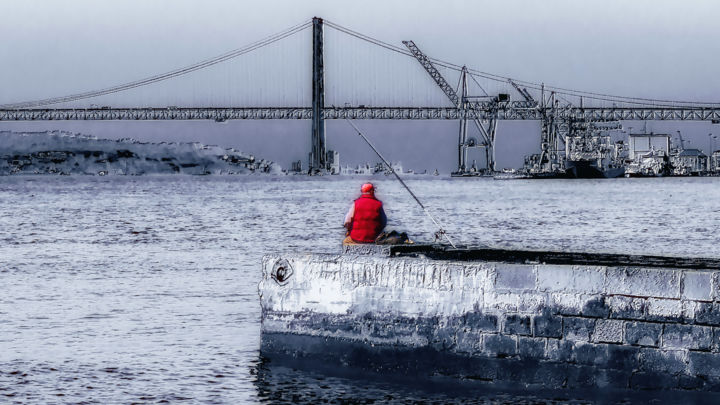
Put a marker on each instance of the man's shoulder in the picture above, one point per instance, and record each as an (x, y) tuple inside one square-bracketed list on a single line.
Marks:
[(371, 198)]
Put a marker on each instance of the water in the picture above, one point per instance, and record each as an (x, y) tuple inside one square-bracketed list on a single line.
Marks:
[(144, 289)]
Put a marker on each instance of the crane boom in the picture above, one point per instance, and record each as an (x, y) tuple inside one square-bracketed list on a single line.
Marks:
[(682, 141), (462, 102), (433, 72), (523, 91)]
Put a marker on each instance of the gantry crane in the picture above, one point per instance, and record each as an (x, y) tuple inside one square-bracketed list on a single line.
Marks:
[(487, 129), (549, 149)]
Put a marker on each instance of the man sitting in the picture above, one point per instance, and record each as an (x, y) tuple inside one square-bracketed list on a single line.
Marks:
[(366, 218)]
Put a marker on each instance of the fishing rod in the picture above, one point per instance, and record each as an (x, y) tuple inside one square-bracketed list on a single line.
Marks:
[(441, 230)]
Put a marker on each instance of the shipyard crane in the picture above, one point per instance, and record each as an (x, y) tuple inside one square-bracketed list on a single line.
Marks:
[(433, 72), (523, 92), (461, 102), (549, 131), (682, 142)]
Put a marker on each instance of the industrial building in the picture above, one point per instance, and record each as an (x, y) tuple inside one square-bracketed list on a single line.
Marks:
[(692, 162)]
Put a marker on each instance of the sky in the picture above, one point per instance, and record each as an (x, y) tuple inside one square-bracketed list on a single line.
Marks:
[(655, 49)]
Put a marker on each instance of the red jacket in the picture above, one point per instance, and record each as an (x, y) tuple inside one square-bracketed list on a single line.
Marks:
[(368, 219)]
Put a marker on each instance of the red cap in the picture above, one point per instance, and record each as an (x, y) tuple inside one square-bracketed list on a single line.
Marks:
[(367, 188)]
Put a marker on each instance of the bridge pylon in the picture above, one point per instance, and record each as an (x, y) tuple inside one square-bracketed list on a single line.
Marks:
[(318, 155)]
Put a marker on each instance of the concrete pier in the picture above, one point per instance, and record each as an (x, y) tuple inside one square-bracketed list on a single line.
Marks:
[(522, 317)]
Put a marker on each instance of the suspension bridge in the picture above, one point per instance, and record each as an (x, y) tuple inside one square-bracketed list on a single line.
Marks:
[(560, 110)]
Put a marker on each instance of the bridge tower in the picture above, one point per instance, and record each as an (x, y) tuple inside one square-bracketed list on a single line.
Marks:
[(318, 156)]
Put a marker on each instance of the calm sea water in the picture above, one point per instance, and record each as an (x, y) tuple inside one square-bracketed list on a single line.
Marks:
[(144, 289)]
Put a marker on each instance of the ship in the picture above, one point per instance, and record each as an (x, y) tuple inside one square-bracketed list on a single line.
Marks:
[(589, 153), (580, 169), (593, 157)]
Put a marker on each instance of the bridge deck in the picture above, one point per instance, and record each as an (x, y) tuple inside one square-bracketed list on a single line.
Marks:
[(515, 111)]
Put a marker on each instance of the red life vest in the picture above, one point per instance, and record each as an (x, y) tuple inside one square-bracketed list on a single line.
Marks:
[(366, 223)]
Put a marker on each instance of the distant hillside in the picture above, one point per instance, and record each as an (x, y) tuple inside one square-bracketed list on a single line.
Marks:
[(60, 152)]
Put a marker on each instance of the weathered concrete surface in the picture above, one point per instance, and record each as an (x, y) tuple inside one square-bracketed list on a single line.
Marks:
[(623, 327)]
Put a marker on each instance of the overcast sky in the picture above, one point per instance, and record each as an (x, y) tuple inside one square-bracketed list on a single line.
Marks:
[(656, 49)]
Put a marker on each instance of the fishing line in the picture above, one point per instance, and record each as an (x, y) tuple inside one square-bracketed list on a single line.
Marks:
[(441, 230)]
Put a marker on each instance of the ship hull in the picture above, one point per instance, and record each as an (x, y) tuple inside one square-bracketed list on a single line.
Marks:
[(583, 169)]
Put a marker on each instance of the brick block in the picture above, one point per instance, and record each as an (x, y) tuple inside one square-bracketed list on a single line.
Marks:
[(622, 357), (664, 310), (499, 345), (471, 277), (578, 328), (531, 348), (687, 337), (596, 308), (581, 376), (426, 326), (531, 302), (706, 364), (517, 325), (663, 361), (711, 384), (608, 331), (382, 328), (643, 333), (589, 279), (486, 370), (697, 285), (547, 325), (443, 338), (554, 277), (590, 354), (653, 282), (690, 382), (481, 321), (468, 341), (517, 370), (652, 381), (509, 370), (559, 350), (707, 313), (515, 276), (626, 307), (689, 308), (504, 302), (567, 304), (551, 375), (614, 379), (716, 340)]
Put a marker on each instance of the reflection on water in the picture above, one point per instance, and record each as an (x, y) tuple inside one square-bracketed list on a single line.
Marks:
[(279, 384), (295, 369)]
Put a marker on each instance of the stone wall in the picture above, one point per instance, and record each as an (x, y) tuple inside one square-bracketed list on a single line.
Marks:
[(556, 325)]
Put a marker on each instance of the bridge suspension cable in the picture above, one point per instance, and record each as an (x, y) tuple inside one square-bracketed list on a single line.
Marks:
[(474, 73), (165, 76), (536, 86)]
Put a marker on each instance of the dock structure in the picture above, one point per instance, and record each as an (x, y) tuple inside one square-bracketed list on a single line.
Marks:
[(542, 319)]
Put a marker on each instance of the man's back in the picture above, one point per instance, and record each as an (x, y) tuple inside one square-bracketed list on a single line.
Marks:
[(366, 218)]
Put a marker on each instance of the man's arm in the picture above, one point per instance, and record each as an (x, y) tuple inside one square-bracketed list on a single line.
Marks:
[(383, 218), (349, 217)]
